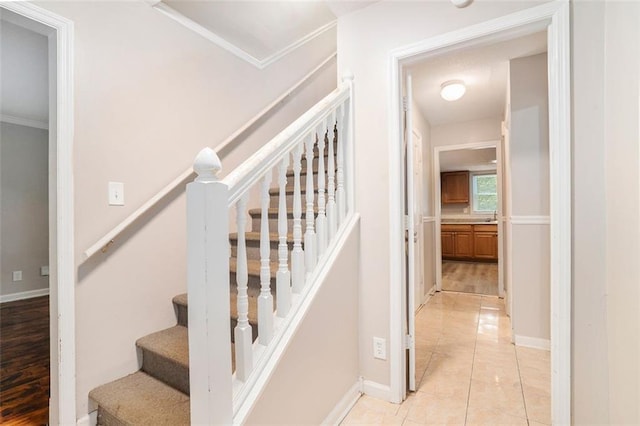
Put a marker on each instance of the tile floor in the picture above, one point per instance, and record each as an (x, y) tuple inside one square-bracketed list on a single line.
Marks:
[(468, 372)]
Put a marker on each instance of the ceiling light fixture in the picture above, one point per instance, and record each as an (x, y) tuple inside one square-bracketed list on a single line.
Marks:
[(452, 90), (461, 3)]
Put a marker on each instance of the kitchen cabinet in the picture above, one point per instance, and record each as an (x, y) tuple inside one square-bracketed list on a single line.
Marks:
[(485, 242), (457, 241), (454, 187), (469, 242)]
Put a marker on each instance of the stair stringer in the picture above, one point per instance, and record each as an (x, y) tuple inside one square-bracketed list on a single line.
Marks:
[(246, 395)]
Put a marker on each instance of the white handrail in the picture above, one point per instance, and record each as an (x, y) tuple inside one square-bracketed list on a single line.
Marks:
[(248, 173), (103, 243)]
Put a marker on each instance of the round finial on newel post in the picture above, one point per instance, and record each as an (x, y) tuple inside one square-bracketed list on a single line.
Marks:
[(207, 165), (347, 76)]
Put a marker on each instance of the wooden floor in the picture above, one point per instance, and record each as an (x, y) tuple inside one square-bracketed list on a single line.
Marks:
[(470, 277), (24, 362)]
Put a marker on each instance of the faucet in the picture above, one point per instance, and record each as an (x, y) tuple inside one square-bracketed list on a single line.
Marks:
[(495, 215)]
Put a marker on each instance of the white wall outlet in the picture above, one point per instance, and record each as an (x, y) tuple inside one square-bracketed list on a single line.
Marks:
[(17, 276), (379, 348), (116, 194), (44, 271)]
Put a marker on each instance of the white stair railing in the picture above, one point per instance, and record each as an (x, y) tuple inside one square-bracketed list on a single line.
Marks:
[(216, 391)]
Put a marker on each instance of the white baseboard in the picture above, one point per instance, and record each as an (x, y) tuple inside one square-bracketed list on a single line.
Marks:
[(345, 405), (533, 342), (376, 390), (24, 295), (90, 419)]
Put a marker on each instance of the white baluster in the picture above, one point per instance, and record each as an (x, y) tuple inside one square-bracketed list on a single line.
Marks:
[(242, 332), (310, 233), (208, 288), (283, 276), (341, 196), (297, 255), (332, 217), (321, 220), (265, 300)]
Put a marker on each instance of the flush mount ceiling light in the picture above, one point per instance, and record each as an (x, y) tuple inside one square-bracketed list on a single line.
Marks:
[(452, 90), (461, 3)]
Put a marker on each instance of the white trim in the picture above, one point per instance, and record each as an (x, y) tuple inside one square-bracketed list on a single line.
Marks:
[(555, 17), (27, 122), (251, 390), (377, 390), (533, 342), (90, 419), (24, 295), (63, 249), (232, 48), (530, 220), (346, 403), (428, 219)]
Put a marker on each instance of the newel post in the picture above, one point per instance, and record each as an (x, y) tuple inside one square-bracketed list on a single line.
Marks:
[(208, 288)]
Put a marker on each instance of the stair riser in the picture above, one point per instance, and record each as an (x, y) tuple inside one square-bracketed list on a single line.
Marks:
[(166, 370), (275, 198), (253, 249), (273, 223)]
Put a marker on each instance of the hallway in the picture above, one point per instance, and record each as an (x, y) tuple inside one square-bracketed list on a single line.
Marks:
[(468, 372)]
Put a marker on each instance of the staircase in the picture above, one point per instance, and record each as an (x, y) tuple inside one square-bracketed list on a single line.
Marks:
[(158, 394)]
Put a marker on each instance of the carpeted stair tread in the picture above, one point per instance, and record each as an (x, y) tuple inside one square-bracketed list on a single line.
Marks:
[(289, 191), (139, 399), (253, 267), (172, 343), (255, 236), (273, 212), (182, 299)]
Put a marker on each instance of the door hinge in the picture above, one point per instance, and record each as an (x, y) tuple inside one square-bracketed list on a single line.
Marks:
[(408, 341), (406, 222), (405, 104)]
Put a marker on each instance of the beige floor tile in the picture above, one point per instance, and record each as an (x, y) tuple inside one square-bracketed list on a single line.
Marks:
[(538, 404), (490, 417), (499, 396), (429, 409)]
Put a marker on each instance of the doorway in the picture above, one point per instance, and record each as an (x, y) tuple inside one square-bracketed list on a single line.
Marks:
[(553, 18), (58, 34)]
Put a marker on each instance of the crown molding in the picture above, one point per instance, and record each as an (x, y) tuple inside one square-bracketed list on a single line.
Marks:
[(232, 48), (38, 124)]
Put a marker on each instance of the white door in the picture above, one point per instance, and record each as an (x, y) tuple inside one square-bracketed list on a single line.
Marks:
[(418, 187), (411, 240)]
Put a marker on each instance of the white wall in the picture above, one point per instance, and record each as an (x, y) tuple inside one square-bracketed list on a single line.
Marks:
[(321, 362), (622, 185), (365, 39), (487, 129), (529, 164), (24, 86), (149, 94), (24, 208), (590, 387)]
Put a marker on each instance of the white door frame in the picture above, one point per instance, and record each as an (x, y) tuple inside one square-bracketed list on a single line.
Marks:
[(438, 204), (59, 30), (555, 18)]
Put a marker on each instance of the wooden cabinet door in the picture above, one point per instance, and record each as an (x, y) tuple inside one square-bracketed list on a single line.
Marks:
[(485, 245), (464, 244), (454, 187), (447, 244)]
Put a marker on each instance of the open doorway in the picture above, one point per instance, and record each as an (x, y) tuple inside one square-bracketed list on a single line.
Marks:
[(37, 255), (555, 142), (468, 199)]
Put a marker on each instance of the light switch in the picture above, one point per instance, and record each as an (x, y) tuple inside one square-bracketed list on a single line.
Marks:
[(44, 271), (17, 275), (116, 194)]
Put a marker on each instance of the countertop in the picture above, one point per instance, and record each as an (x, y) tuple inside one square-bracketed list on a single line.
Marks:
[(468, 222)]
